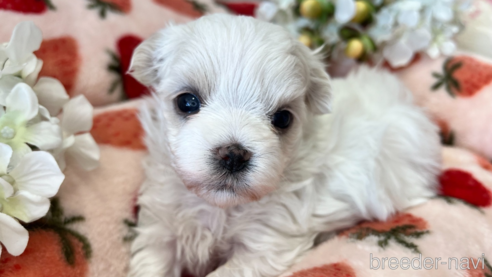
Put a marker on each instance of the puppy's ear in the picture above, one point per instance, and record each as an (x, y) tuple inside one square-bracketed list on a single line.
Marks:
[(318, 97), (149, 58)]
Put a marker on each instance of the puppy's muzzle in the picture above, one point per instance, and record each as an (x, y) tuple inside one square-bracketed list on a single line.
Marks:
[(233, 158)]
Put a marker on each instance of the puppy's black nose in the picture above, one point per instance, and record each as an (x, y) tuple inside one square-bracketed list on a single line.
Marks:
[(233, 158)]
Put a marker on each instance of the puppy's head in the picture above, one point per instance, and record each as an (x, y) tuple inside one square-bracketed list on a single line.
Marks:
[(237, 95)]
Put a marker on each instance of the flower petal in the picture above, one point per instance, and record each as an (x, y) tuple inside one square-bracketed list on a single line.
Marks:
[(26, 206), (7, 83), (409, 18), (5, 155), (20, 150), (442, 12), (77, 115), (266, 11), (22, 101), (418, 39), (6, 189), (45, 135), (12, 235), (85, 151), (26, 38), (345, 11), (398, 54), (38, 173), (51, 94), (31, 75)]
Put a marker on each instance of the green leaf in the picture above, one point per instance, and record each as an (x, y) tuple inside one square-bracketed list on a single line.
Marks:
[(448, 90), (454, 67), (67, 248), (86, 246), (455, 83), (347, 33), (49, 5), (73, 219), (437, 85), (114, 86), (437, 75)]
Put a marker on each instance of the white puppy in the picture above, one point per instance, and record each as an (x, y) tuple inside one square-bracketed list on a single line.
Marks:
[(246, 168)]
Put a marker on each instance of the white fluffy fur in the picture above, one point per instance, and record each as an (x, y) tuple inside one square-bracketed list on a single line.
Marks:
[(374, 155)]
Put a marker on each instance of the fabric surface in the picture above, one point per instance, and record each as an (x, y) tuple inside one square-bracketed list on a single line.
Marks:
[(88, 231), (457, 91), (89, 228), (87, 44)]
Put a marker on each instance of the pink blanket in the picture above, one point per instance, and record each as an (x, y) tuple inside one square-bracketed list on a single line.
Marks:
[(88, 230), (443, 228)]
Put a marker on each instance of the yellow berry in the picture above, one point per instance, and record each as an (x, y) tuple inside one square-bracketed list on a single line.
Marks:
[(354, 49), (306, 40), (362, 11), (311, 9)]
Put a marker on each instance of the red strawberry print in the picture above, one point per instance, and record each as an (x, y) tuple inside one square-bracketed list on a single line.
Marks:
[(330, 270), (460, 184), (44, 257), (27, 6), (61, 60), (241, 8), (484, 163), (395, 221), (126, 45), (463, 76), (190, 8), (120, 128), (401, 229)]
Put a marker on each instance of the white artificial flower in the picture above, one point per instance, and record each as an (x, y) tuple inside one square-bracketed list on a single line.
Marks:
[(398, 53), (344, 11), (75, 122), (409, 13), (51, 94), (16, 56), (286, 4), (442, 10), (24, 193), (266, 11), (16, 128)]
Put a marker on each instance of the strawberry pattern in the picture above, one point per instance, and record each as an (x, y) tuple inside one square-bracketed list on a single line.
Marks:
[(119, 128), (463, 76), (190, 8), (340, 269), (462, 185), (51, 241), (27, 6), (401, 229), (61, 60)]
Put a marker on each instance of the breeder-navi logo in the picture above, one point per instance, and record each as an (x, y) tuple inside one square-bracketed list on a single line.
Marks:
[(427, 263)]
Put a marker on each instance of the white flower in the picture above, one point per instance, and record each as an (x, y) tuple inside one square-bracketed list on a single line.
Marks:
[(266, 11), (344, 10), (76, 119), (17, 131), (409, 14), (16, 56), (24, 193), (51, 94)]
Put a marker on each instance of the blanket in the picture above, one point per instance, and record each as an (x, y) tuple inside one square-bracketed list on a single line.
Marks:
[(89, 228)]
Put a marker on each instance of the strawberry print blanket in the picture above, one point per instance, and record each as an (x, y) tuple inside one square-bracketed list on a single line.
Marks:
[(90, 225)]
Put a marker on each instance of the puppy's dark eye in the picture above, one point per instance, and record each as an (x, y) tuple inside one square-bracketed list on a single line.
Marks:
[(282, 119), (188, 103)]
